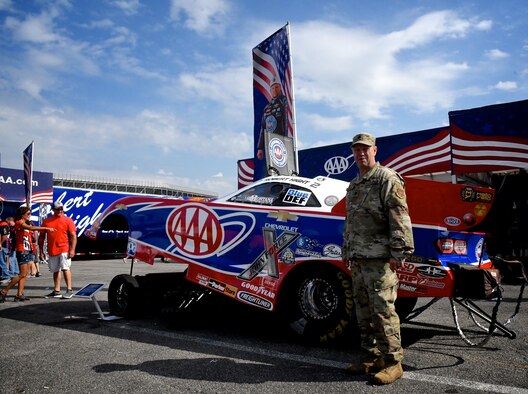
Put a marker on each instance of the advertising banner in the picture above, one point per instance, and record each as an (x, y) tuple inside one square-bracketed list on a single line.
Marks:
[(12, 186), (273, 100)]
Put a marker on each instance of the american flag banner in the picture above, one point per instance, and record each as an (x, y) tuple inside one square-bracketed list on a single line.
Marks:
[(492, 138), (272, 64), (246, 171), (27, 156), (424, 157)]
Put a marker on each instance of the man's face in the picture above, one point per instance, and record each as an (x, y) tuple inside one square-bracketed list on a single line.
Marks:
[(276, 90), (58, 212), (364, 155)]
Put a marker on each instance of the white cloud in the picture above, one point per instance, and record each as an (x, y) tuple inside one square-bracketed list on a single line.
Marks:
[(129, 7), (318, 122), (203, 16), (496, 54), (367, 74), (506, 85), (36, 29)]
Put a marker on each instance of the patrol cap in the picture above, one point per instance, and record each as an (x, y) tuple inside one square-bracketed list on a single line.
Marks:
[(275, 80), (365, 139), (57, 205)]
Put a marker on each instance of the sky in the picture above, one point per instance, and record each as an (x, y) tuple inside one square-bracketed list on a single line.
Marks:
[(161, 91)]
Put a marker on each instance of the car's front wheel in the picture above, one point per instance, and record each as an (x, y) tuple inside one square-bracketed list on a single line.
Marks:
[(318, 305)]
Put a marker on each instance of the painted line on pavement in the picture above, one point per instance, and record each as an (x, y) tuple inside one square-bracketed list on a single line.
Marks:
[(329, 363)]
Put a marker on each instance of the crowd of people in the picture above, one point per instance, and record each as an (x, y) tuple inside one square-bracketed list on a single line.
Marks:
[(25, 246)]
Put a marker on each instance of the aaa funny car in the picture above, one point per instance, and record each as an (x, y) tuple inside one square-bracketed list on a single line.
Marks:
[(276, 245)]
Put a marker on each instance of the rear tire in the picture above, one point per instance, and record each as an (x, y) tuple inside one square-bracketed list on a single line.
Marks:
[(318, 305), (124, 296)]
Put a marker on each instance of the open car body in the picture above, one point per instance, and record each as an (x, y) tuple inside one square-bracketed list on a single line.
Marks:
[(276, 244)]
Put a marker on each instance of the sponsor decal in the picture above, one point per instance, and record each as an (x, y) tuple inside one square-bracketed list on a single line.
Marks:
[(288, 257), (432, 272), (297, 197), (308, 243), (258, 289), (254, 299), (407, 278), (480, 210), (271, 123), (273, 245), (470, 194), (412, 289), (230, 291), (278, 152), (198, 232), (478, 247), (332, 251), (281, 227), (452, 221), (308, 253), (283, 216), (195, 230), (215, 285), (336, 165), (131, 248), (431, 283), (407, 267)]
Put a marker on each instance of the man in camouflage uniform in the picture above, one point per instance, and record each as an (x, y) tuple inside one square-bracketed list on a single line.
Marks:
[(377, 238)]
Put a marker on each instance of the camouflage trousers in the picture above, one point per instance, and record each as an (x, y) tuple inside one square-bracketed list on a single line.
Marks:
[(374, 288)]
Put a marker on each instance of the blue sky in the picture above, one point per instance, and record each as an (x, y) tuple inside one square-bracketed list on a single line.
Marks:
[(160, 91)]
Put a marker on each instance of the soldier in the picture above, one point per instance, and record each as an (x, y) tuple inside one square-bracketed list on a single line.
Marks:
[(275, 116), (377, 238)]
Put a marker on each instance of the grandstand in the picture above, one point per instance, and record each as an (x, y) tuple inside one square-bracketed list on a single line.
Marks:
[(127, 186)]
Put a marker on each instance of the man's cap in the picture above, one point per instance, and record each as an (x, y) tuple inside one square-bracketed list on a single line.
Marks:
[(275, 80), (57, 205), (365, 139)]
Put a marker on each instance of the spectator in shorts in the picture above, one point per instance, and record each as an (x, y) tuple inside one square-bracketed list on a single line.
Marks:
[(24, 252), (61, 248)]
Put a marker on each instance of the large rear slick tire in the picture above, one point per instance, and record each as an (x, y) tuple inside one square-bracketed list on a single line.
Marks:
[(124, 296), (318, 305)]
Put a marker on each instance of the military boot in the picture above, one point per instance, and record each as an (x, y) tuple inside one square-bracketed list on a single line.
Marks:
[(389, 374), (370, 365)]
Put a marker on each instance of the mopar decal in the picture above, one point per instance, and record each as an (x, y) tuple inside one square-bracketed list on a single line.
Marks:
[(269, 257), (255, 300)]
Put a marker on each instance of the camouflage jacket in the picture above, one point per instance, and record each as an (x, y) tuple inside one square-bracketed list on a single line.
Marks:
[(377, 219)]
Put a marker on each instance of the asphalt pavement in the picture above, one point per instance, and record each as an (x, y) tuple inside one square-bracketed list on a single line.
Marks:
[(62, 346)]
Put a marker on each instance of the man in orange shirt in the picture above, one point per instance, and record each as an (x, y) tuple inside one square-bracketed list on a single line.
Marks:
[(61, 248)]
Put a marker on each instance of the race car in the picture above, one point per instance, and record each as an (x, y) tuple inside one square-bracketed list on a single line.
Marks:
[(276, 245)]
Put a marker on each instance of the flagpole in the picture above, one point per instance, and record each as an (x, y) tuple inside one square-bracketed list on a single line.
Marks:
[(294, 120)]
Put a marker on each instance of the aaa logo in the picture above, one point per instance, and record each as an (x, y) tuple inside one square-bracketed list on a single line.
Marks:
[(195, 230)]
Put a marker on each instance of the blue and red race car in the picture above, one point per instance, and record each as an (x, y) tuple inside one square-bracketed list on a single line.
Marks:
[(276, 245)]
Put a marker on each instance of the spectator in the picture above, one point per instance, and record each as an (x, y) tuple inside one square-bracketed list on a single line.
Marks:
[(12, 262), (4, 239), (24, 252), (61, 249)]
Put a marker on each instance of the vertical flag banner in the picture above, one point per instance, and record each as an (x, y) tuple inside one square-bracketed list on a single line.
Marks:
[(27, 155), (273, 100)]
